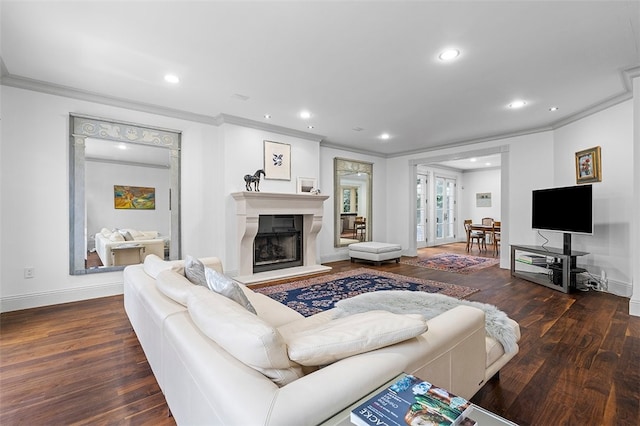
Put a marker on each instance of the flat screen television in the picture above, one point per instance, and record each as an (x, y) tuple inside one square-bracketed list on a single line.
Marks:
[(567, 209)]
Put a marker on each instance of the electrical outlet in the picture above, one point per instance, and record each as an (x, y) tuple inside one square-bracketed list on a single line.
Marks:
[(29, 272)]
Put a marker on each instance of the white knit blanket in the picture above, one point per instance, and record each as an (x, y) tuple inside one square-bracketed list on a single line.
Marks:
[(428, 305)]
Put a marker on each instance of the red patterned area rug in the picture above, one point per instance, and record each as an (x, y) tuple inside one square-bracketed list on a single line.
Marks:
[(320, 293), (450, 262)]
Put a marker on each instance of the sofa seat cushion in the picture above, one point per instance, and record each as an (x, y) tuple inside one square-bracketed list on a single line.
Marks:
[(313, 343), (495, 350), (243, 334), (272, 312)]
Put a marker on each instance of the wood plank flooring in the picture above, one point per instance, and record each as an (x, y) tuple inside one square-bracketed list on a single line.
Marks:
[(579, 361)]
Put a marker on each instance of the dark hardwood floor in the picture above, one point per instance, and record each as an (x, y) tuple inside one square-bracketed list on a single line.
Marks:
[(579, 360)]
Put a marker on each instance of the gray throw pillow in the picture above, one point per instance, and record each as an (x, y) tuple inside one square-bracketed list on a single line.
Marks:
[(225, 286), (194, 271)]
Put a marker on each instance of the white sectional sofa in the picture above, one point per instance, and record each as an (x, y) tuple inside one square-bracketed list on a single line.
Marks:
[(207, 352), (107, 239)]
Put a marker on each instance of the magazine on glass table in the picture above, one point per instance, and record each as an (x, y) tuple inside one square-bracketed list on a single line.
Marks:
[(413, 401)]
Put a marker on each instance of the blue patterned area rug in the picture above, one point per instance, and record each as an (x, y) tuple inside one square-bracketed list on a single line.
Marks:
[(318, 294), (450, 262)]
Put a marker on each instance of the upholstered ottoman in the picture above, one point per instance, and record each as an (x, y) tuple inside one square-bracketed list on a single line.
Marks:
[(375, 252)]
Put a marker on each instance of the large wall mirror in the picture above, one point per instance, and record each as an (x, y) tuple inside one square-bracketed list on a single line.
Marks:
[(352, 194), (124, 182)]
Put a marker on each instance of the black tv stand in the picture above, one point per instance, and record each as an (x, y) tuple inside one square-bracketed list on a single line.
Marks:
[(559, 274)]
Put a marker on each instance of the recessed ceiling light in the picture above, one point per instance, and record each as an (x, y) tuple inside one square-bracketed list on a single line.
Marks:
[(448, 54), (517, 104), (487, 164), (267, 116), (305, 115), (122, 146), (172, 78), (309, 126), (553, 108), (385, 136), (473, 160)]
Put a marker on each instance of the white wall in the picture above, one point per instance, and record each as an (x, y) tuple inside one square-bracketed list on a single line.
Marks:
[(480, 181), (634, 304), (610, 244), (35, 196)]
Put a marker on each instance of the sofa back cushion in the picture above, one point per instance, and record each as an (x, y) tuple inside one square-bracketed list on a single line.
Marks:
[(244, 335), (153, 265), (174, 285)]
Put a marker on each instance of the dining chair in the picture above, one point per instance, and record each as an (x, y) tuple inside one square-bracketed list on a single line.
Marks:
[(495, 236), (487, 221), (478, 236), (360, 227)]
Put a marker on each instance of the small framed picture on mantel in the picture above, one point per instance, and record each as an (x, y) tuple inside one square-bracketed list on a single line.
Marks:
[(305, 185), (588, 165)]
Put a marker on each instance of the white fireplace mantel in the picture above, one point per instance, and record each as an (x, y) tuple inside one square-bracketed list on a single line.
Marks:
[(250, 205)]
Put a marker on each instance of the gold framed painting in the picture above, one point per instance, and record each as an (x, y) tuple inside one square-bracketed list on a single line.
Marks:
[(277, 161), (588, 165), (134, 197)]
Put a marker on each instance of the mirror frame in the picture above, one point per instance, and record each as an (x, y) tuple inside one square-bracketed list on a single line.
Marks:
[(83, 127), (343, 166)]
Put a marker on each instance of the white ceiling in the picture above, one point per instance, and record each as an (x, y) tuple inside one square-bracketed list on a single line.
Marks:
[(353, 64)]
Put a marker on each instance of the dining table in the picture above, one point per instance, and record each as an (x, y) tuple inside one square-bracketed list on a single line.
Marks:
[(487, 229)]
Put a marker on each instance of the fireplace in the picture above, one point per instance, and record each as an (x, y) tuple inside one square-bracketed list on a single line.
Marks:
[(307, 211), (278, 243)]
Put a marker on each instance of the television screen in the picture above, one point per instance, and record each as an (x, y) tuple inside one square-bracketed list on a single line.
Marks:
[(567, 209)]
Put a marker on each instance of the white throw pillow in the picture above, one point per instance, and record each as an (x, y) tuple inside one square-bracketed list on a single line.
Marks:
[(225, 286), (313, 344), (153, 265), (244, 335)]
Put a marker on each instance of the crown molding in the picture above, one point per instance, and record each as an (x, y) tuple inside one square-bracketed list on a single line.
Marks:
[(253, 124), (600, 106), (59, 90), (326, 144), (6, 79)]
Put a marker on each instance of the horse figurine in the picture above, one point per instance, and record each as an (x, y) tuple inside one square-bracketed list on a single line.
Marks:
[(254, 179)]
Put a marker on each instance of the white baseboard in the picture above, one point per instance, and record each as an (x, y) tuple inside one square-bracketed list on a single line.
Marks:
[(620, 289), (335, 257), (634, 308), (35, 300)]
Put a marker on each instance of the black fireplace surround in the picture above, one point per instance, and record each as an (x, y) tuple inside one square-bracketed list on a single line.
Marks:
[(278, 243)]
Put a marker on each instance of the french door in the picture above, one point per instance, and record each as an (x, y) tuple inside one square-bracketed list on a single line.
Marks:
[(422, 210), (445, 204)]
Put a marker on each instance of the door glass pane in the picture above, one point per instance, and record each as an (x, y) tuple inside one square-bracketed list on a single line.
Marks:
[(421, 210), (445, 208)]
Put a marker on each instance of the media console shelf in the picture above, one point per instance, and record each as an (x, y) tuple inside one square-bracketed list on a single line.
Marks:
[(558, 274)]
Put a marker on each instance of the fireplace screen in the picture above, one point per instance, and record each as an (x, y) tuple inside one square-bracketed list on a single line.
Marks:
[(278, 244)]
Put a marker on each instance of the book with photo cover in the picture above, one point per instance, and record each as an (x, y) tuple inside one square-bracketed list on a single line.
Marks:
[(412, 401)]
